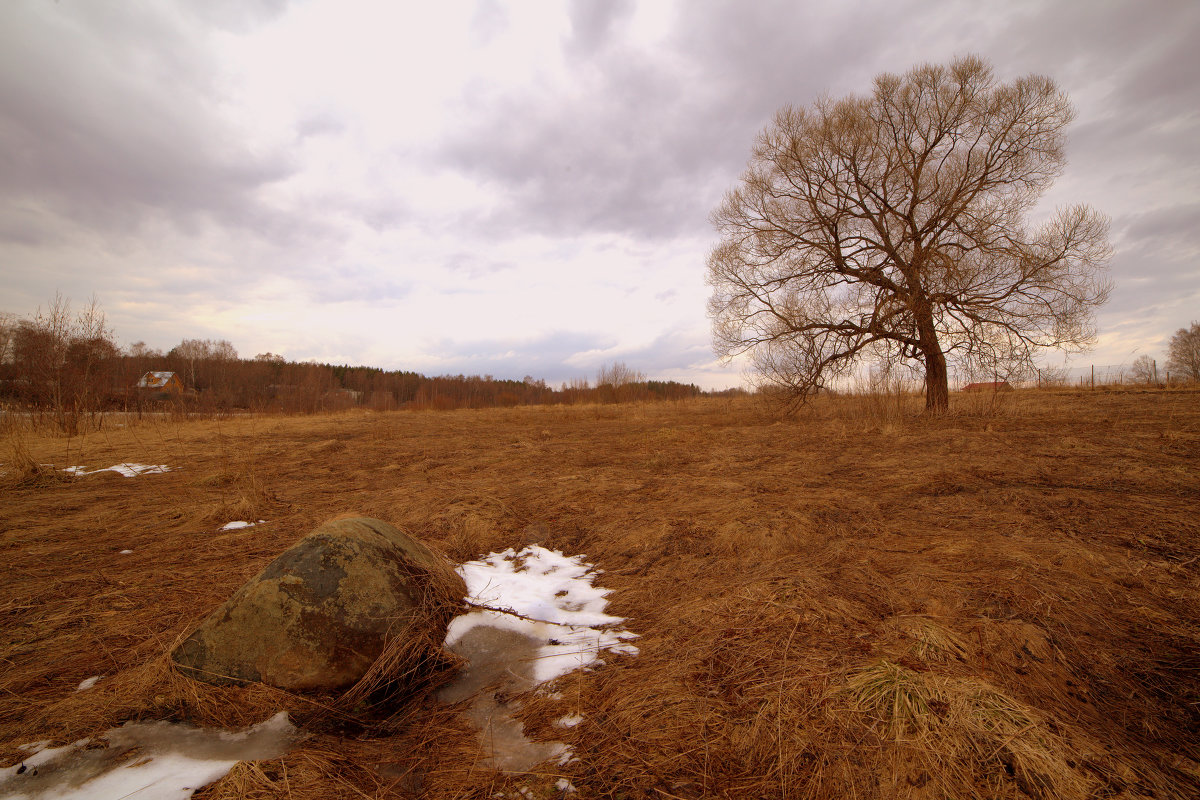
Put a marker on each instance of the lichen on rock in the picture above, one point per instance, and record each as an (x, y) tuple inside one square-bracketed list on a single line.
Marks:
[(320, 615)]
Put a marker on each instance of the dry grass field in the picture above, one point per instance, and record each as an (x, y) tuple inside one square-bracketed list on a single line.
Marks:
[(856, 602)]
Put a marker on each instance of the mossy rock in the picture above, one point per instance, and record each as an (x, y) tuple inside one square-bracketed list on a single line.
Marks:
[(319, 615)]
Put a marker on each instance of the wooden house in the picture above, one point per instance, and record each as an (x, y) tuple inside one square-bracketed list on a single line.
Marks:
[(988, 386), (167, 382)]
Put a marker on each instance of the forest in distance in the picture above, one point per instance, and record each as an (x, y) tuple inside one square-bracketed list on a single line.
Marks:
[(64, 364)]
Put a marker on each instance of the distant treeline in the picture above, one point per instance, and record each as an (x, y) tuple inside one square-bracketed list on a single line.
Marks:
[(65, 365)]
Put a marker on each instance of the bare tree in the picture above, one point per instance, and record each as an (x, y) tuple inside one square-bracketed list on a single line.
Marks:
[(8, 328), (64, 362), (891, 227), (1143, 370), (190, 351), (1183, 352), (618, 374), (142, 350), (1053, 375)]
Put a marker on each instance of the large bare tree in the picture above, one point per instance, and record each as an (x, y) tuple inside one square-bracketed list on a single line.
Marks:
[(1183, 352), (892, 227)]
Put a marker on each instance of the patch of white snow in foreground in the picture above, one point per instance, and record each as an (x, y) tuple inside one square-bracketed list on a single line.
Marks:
[(127, 468), (557, 603), (142, 760), (233, 526), (569, 721), (549, 619), (88, 683)]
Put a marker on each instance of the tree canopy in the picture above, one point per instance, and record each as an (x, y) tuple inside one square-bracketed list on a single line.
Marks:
[(1183, 352), (892, 227)]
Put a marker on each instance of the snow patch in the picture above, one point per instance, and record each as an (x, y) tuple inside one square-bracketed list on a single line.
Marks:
[(237, 524), (569, 721), (126, 468), (543, 618), (551, 598), (88, 683), (143, 760)]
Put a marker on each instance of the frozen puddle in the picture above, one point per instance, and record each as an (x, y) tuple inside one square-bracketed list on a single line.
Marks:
[(550, 621), (128, 469), (142, 760)]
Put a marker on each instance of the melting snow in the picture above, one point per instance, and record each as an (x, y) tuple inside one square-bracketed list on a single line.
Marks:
[(128, 469), (557, 602), (549, 620), (143, 760), (88, 683), (233, 526), (569, 721)]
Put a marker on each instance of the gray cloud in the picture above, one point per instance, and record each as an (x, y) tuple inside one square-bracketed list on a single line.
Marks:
[(593, 22), (605, 160), (1175, 227), (107, 116), (321, 124), (355, 283), (238, 16), (671, 351), (545, 357), (647, 141), (1138, 62)]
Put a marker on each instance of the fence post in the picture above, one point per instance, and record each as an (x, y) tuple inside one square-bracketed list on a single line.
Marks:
[(1154, 364), (1093, 377)]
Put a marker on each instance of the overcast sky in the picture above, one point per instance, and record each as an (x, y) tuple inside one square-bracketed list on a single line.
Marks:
[(513, 188)]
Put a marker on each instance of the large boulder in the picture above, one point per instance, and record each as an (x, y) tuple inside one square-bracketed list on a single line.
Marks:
[(320, 614)]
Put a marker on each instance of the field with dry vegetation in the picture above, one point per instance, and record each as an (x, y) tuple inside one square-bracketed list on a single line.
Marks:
[(859, 601)]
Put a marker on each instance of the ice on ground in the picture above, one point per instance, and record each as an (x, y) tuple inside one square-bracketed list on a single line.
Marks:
[(143, 760), (565, 786), (569, 721), (88, 683), (549, 620), (126, 468), (125, 552), (235, 525)]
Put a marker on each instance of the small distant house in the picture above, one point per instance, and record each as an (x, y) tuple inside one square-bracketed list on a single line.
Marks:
[(161, 382), (988, 386)]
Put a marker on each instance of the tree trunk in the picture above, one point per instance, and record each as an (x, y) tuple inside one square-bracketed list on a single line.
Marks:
[(937, 379), (937, 383)]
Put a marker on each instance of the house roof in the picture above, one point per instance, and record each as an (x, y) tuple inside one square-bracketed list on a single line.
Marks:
[(987, 385), (155, 380)]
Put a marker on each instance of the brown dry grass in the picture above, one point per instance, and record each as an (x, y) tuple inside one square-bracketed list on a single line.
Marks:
[(859, 602)]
